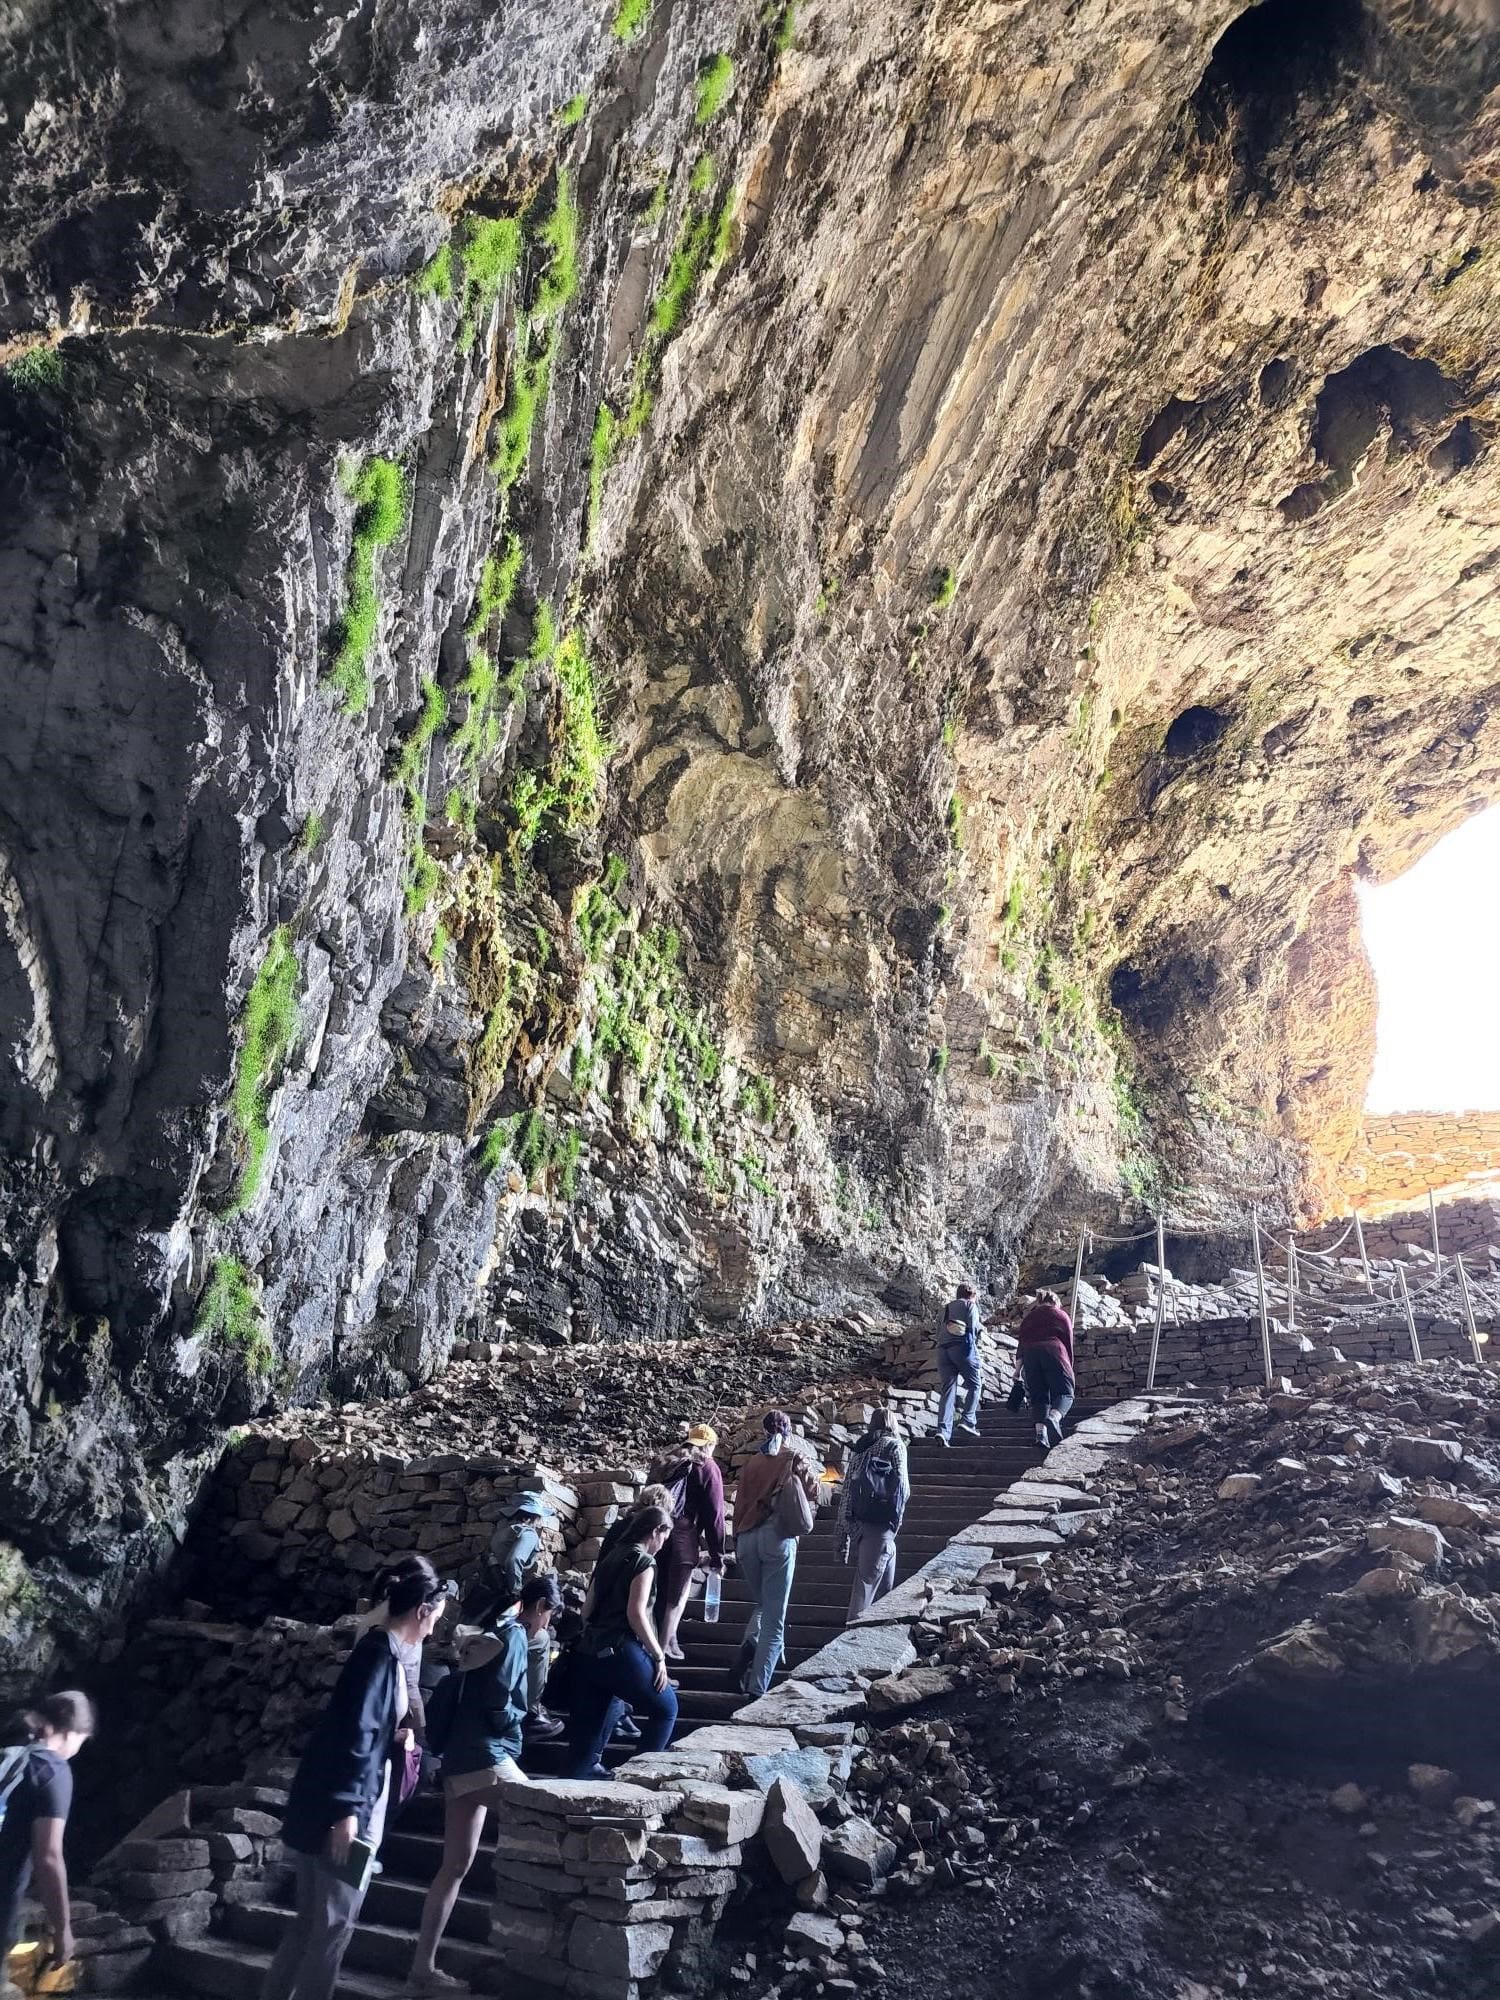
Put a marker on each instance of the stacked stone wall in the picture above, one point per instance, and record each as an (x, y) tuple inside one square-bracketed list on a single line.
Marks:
[(1403, 1155)]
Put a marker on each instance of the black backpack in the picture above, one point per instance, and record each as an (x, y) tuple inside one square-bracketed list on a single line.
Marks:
[(875, 1486), (442, 1711)]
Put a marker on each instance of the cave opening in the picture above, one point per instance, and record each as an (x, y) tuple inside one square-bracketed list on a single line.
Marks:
[(1268, 62), (1435, 952)]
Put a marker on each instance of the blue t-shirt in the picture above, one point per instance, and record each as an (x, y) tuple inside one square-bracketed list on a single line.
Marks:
[(44, 1791)]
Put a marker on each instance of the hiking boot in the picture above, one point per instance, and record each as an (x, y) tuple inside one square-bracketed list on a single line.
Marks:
[(542, 1727)]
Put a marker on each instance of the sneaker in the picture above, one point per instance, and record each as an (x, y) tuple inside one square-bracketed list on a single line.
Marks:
[(972, 1429), (946, 1443), (1043, 1437), (437, 1982), (542, 1727), (674, 1651), (1054, 1431), (597, 1773), (627, 1730)]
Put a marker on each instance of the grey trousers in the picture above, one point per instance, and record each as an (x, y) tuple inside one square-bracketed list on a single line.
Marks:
[(872, 1551), (307, 1961)]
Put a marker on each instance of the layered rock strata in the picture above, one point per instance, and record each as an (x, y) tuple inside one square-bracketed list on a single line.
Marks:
[(678, 664)]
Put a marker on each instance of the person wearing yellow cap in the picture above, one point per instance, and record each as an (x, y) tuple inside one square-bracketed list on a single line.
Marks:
[(695, 1487)]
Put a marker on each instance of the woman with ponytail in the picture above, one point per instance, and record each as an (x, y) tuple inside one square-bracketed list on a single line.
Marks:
[(36, 1790), (335, 1813)]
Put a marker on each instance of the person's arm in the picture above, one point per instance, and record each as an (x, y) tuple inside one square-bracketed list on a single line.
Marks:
[(638, 1610), (49, 1875), (362, 1705)]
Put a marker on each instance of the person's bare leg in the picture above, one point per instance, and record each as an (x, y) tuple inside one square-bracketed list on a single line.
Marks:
[(669, 1617), (463, 1821)]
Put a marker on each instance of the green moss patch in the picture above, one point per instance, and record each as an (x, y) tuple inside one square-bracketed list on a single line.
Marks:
[(229, 1312), (711, 92), (268, 1034), (379, 493)]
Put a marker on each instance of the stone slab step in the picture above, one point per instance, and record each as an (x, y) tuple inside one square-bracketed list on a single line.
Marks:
[(373, 1948), (396, 1900), (225, 1969)]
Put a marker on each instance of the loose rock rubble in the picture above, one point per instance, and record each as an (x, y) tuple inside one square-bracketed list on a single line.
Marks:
[(1239, 1732)]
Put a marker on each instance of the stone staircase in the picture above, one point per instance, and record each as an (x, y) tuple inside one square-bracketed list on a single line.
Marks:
[(951, 1488)]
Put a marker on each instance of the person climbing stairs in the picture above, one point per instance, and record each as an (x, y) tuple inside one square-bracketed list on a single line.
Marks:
[(951, 1488)]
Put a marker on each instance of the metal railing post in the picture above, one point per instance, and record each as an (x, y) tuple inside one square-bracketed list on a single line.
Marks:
[(1437, 1250), (1077, 1274), (1260, 1283), (1161, 1302), (1359, 1237), (1463, 1288), (1411, 1318), (1291, 1282)]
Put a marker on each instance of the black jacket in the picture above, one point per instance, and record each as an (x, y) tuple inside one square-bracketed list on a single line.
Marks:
[(343, 1767)]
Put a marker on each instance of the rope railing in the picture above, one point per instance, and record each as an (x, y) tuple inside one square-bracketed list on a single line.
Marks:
[(1291, 1289)]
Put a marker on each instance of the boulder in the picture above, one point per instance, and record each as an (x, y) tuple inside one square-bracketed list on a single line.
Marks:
[(911, 1689), (858, 1852), (1420, 1540), (1432, 1783), (1425, 1458), (814, 1937), (1240, 1486), (792, 1834)]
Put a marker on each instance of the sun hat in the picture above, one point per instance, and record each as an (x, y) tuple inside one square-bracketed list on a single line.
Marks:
[(703, 1434), (528, 1503)]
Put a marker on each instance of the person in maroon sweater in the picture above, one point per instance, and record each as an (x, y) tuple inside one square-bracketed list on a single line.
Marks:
[(696, 1504), (1044, 1341)]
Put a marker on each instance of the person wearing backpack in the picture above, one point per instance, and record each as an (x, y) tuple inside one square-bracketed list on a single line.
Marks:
[(336, 1809), (875, 1492), (775, 1505), (695, 1488), (958, 1361), (36, 1791), (475, 1721), (514, 1549)]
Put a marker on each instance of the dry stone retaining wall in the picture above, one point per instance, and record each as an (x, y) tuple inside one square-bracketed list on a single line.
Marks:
[(1405, 1154)]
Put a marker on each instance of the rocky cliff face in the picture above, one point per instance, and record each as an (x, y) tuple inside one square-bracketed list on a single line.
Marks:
[(673, 665)]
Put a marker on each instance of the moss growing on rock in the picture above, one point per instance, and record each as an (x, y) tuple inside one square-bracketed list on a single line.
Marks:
[(378, 490), (229, 1312), (268, 1034), (711, 92), (630, 18), (490, 249)]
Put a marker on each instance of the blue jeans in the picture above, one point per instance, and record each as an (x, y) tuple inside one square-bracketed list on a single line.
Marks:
[(1049, 1388), (767, 1560), (952, 1370), (604, 1684)]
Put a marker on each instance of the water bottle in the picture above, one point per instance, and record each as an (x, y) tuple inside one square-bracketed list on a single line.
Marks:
[(711, 1597)]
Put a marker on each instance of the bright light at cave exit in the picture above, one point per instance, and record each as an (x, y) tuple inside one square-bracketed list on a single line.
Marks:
[(1434, 941)]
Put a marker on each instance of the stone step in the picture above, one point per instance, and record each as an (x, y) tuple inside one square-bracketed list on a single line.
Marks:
[(225, 1969), (396, 1900), (373, 1948)]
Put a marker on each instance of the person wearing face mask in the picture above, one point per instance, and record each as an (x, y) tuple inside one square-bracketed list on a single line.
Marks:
[(335, 1812)]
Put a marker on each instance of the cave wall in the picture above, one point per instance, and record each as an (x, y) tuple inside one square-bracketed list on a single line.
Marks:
[(900, 585)]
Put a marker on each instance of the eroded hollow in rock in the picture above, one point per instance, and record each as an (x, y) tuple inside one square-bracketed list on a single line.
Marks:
[(1197, 729)]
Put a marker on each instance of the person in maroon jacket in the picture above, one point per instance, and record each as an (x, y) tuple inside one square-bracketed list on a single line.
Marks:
[(1044, 1341), (696, 1488)]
